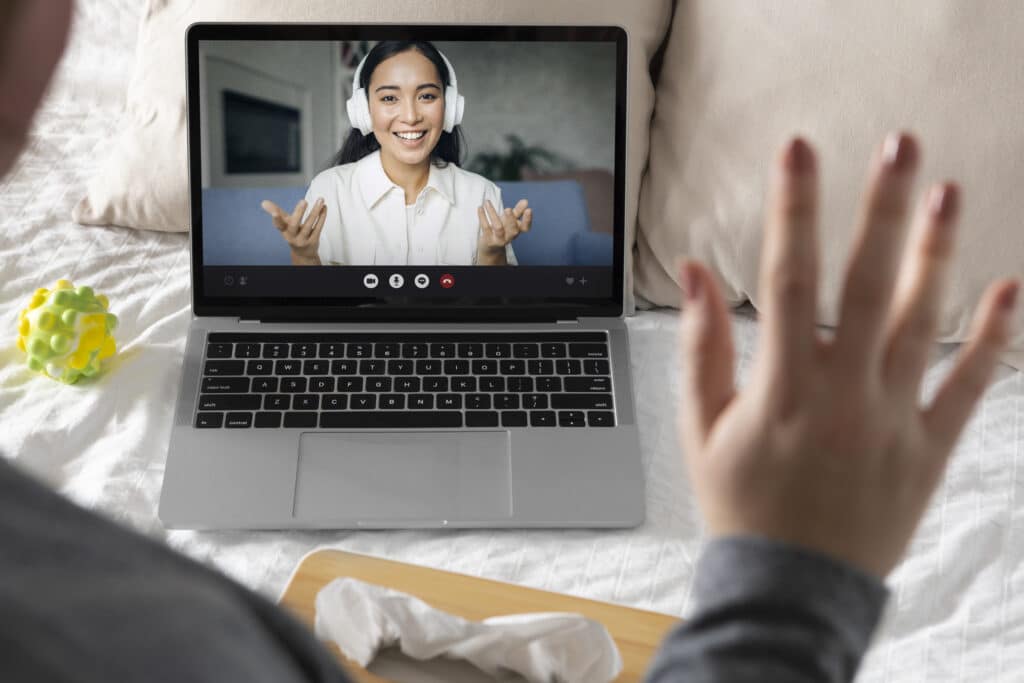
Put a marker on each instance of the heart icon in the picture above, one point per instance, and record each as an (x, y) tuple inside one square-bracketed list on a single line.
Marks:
[(570, 280)]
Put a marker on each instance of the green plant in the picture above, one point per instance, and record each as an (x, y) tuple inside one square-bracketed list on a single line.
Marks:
[(509, 165)]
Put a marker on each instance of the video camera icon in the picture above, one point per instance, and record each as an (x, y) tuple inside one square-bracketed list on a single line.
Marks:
[(370, 281)]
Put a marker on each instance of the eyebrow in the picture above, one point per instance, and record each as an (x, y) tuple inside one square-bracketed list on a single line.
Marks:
[(418, 88)]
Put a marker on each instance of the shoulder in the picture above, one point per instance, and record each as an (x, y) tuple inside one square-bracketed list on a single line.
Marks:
[(471, 183), (335, 175)]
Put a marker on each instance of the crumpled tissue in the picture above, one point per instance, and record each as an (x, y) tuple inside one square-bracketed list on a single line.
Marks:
[(543, 647)]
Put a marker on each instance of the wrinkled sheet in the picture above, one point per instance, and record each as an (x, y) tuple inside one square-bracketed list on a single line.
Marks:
[(957, 609)]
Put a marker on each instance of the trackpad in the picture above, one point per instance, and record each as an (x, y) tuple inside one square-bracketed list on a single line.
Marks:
[(416, 476)]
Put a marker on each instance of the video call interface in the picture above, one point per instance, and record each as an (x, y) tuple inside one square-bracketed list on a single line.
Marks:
[(399, 170)]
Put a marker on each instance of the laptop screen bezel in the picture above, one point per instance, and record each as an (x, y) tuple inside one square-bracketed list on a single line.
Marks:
[(353, 309)]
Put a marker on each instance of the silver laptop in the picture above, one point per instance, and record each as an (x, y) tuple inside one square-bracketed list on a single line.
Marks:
[(407, 280)]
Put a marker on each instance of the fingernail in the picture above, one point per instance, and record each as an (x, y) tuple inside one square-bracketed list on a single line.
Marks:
[(797, 157), (690, 282), (1008, 299), (897, 150), (942, 201)]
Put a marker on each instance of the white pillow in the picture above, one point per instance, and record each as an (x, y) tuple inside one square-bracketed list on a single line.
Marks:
[(740, 77)]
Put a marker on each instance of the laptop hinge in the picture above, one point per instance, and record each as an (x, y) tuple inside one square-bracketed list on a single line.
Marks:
[(567, 322)]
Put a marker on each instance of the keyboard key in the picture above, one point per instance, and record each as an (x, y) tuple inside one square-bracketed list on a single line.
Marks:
[(315, 367), (568, 367), (268, 420), (229, 401), (492, 384), (344, 367), (334, 402), (300, 420), (571, 418), (582, 401), (321, 385), (520, 384), (287, 367), (417, 419), (478, 401), (277, 402), (596, 367), (421, 402), (415, 350), (549, 384), (542, 418), (209, 420), (303, 350), (524, 351), (498, 350), (238, 420), (506, 401), (456, 367), (463, 383), (485, 367), (306, 402), (225, 385), (540, 367), (588, 350), (481, 418), (259, 367), (388, 350), (378, 384), (247, 350), (442, 350), (294, 385), (363, 402), (535, 401), (349, 384), (360, 350), (552, 350), (601, 418), (400, 367), (603, 384), (449, 401), (471, 350), (264, 385), (275, 350), (428, 367), (435, 384), (332, 350), (513, 418), (219, 368), (372, 367), (512, 367), (392, 401), (218, 350), (407, 384)]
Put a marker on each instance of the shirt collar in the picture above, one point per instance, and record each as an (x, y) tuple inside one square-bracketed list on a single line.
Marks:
[(374, 182)]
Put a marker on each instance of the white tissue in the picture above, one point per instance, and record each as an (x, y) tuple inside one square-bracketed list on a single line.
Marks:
[(544, 647)]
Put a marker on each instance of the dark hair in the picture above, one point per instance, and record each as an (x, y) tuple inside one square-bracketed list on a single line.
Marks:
[(451, 145)]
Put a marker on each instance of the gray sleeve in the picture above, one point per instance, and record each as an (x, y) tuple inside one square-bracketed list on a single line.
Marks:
[(85, 600), (769, 611)]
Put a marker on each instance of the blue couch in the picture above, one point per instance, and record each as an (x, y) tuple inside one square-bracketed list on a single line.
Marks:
[(236, 231)]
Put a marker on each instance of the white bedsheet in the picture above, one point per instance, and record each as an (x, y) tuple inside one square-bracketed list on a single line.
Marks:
[(957, 611)]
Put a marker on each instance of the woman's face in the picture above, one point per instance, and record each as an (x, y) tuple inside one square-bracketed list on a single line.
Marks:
[(407, 107)]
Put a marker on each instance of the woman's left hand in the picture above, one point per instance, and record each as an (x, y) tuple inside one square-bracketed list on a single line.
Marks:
[(498, 230)]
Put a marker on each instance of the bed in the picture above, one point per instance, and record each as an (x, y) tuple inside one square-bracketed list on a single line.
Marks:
[(956, 613)]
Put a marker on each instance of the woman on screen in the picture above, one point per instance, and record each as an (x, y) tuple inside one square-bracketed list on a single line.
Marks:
[(396, 195)]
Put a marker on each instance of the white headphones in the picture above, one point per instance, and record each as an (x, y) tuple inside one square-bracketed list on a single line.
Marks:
[(358, 105)]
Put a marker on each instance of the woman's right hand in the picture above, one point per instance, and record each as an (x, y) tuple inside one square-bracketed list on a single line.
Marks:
[(303, 236)]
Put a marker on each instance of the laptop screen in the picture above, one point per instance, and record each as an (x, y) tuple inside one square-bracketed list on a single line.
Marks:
[(389, 169)]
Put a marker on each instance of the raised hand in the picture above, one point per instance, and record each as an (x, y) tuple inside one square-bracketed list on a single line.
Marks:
[(498, 230), (827, 447), (303, 236)]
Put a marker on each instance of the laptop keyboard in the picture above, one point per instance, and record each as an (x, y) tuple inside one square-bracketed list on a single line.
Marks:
[(392, 381)]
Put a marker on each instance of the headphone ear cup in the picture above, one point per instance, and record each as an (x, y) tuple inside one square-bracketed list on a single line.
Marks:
[(358, 109), (454, 104)]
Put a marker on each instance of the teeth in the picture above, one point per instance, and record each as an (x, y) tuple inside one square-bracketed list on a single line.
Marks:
[(411, 136)]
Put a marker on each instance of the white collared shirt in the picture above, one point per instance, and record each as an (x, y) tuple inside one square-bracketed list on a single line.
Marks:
[(368, 222)]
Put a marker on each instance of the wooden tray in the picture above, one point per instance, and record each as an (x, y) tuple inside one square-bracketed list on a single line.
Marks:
[(637, 632)]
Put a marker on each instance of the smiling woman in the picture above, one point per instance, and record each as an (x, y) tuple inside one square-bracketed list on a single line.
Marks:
[(396, 194)]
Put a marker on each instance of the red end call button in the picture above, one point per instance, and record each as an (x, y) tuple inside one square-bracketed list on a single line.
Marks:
[(447, 281)]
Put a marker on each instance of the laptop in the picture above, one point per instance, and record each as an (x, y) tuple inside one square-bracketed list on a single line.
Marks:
[(407, 280)]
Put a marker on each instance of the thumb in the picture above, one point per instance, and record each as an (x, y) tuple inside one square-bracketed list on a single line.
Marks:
[(707, 353)]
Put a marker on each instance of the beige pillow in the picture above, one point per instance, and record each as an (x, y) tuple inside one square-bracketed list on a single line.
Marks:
[(740, 77), (143, 182)]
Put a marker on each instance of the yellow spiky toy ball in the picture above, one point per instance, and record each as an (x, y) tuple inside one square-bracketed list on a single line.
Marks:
[(66, 332)]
